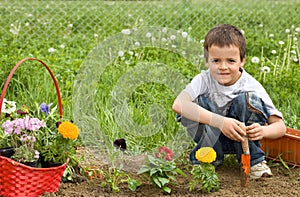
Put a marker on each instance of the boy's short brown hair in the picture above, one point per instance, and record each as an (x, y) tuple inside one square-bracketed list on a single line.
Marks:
[(225, 35)]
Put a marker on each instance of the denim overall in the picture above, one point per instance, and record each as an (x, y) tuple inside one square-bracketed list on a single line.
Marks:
[(247, 108)]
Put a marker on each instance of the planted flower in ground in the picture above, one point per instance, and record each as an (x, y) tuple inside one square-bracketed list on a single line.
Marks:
[(161, 169), (204, 174)]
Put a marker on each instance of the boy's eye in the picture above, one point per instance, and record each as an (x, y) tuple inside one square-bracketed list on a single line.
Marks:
[(215, 60)]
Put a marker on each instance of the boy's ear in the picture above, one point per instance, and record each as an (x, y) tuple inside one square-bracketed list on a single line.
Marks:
[(243, 62)]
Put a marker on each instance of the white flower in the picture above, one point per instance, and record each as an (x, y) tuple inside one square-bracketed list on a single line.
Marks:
[(293, 52), (164, 30), (184, 34), (172, 37), (148, 35), (271, 35), (273, 52), (29, 15), (287, 31), (137, 44), (27, 24), (126, 31), (121, 53), (95, 35), (295, 59), (62, 46), (295, 38), (70, 25), (255, 60), (164, 40), (8, 107), (281, 42), (260, 25), (265, 69), (297, 29), (51, 50), (174, 46), (190, 28)]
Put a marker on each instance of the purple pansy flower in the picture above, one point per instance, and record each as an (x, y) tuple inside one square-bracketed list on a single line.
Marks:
[(45, 108)]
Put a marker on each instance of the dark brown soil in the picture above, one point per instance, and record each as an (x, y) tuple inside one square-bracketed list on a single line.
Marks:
[(284, 182)]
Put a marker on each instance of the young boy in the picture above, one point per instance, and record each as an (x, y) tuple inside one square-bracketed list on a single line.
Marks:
[(218, 100)]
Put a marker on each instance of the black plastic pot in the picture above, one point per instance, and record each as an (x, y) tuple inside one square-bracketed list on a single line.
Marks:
[(7, 152)]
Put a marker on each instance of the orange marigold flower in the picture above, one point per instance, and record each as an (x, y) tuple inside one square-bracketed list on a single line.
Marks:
[(68, 130), (206, 155)]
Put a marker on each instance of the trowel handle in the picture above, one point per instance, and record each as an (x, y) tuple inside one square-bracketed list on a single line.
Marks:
[(245, 144)]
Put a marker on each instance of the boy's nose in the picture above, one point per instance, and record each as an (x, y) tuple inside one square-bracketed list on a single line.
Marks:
[(223, 66)]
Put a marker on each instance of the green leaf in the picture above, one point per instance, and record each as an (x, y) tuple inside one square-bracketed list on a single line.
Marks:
[(166, 189), (156, 181), (133, 184), (163, 180)]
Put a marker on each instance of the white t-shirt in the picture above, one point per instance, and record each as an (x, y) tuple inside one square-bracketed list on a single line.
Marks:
[(204, 84)]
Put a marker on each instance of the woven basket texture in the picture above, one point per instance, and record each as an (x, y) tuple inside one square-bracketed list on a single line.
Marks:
[(19, 180)]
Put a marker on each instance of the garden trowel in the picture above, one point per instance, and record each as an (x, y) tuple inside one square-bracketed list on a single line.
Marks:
[(245, 161)]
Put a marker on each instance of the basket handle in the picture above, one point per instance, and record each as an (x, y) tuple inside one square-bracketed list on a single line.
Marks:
[(50, 72)]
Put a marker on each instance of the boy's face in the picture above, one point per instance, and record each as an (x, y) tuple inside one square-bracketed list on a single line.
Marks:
[(224, 64)]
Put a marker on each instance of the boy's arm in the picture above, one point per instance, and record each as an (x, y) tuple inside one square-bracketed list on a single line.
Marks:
[(275, 129), (184, 106)]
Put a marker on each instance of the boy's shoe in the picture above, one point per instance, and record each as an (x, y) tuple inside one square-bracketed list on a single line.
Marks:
[(260, 170)]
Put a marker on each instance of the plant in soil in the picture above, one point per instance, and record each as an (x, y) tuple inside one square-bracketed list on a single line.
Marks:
[(161, 169), (204, 175)]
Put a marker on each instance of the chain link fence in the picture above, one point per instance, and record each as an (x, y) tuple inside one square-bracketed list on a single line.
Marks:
[(33, 22)]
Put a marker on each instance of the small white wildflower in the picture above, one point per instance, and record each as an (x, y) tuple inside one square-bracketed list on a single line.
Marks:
[(137, 44), (130, 15), (62, 46), (70, 25), (297, 29), (287, 31), (273, 52), (260, 25), (121, 53), (27, 24), (126, 31), (29, 15), (127, 62), (51, 50), (95, 35), (255, 60), (148, 35), (130, 53), (174, 46), (164, 40), (271, 35), (183, 53), (281, 42), (295, 38), (265, 69), (141, 20), (164, 30), (295, 59), (293, 52), (190, 28), (184, 34), (172, 37)]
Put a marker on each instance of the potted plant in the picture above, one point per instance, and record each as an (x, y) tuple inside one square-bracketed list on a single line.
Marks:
[(38, 134)]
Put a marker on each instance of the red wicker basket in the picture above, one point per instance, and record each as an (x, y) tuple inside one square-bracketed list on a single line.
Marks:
[(17, 179)]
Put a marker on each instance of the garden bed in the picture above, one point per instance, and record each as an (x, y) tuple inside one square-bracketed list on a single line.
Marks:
[(283, 183)]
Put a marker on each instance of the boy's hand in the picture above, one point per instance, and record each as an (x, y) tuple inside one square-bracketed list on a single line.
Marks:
[(232, 130), (255, 131)]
